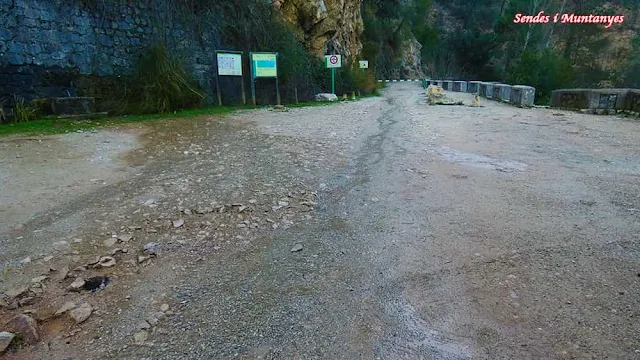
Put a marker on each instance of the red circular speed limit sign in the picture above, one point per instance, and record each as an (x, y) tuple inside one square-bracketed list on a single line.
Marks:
[(333, 59)]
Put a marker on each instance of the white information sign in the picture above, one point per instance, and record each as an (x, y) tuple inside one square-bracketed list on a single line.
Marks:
[(364, 64), (229, 64), (333, 61)]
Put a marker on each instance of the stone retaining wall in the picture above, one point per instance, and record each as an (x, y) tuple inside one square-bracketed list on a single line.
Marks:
[(48, 46)]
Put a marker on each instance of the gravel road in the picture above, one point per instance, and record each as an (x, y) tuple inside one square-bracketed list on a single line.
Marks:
[(378, 229)]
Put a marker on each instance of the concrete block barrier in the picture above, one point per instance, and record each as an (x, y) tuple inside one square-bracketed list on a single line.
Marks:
[(522, 95), (599, 101), (473, 86), (502, 92), (460, 86)]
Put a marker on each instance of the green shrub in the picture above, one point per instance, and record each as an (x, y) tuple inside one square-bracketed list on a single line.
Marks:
[(546, 71), (22, 112), (161, 84)]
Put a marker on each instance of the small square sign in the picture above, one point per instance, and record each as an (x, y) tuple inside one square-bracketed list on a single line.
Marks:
[(364, 64), (333, 61)]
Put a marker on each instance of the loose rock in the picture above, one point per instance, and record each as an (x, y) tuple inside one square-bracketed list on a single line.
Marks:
[(61, 246), (39, 279), (26, 326), (296, 248), (125, 238), (178, 223), (5, 340), (150, 248), (27, 301), (155, 317), (144, 325), (164, 307), (77, 284), (106, 262), (25, 260), (140, 337), (81, 313), (62, 274), (69, 305), (15, 292), (110, 242)]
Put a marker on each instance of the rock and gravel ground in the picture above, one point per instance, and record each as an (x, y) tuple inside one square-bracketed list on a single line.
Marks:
[(378, 229)]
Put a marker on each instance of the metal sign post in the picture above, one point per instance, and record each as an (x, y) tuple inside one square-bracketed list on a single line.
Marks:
[(264, 65), (229, 63), (333, 62)]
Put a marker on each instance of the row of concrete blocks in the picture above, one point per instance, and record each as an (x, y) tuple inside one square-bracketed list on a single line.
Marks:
[(599, 101), (519, 95)]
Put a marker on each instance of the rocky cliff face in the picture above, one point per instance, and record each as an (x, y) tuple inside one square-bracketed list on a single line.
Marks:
[(326, 25)]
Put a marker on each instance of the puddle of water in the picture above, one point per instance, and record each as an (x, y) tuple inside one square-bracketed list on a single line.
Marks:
[(479, 161)]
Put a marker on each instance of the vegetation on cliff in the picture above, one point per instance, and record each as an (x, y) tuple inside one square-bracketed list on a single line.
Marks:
[(478, 39)]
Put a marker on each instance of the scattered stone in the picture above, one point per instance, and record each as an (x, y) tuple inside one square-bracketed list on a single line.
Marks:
[(144, 325), (186, 211), (20, 228), (25, 260), (5, 340), (16, 292), (283, 203), (149, 202), (115, 251), (155, 317), (94, 261), (178, 223), (375, 199), (241, 208), (26, 326), (296, 248), (47, 258), (106, 262), (140, 337), (125, 238), (142, 259), (82, 268), (61, 246), (164, 307), (62, 274), (77, 284), (110, 242), (27, 301), (3, 303), (326, 97), (69, 305), (150, 249), (81, 313), (253, 201)]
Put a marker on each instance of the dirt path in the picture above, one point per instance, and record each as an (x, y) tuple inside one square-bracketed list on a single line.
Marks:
[(427, 232)]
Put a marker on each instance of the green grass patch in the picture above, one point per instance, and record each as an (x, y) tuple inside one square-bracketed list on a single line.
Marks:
[(59, 126)]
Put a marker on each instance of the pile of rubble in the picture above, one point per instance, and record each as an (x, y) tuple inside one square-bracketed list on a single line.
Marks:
[(436, 96)]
